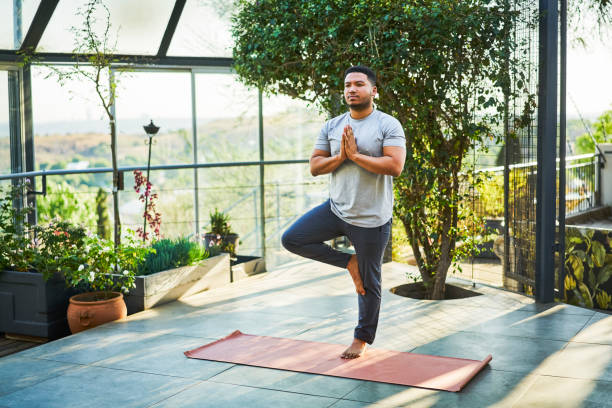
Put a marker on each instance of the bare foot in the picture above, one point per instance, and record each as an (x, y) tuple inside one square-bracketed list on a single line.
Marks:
[(353, 268), (355, 350)]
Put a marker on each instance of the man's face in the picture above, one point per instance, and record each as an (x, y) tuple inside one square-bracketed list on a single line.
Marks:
[(358, 91)]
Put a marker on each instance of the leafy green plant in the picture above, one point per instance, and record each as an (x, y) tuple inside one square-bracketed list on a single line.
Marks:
[(93, 266), (445, 69), (85, 260), (63, 202), (219, 223), (588, 266), (172, 253), (15, 246)]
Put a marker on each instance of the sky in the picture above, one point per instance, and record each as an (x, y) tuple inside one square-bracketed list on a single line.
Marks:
[(589, 83)]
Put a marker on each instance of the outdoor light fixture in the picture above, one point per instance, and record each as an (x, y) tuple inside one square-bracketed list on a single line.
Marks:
[(151, 131)]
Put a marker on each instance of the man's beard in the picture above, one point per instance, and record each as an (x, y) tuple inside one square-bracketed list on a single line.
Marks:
[(360, 106)]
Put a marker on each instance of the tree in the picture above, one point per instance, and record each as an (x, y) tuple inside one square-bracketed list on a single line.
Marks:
[(443, 67), (602, 133), (103, 224), (94, 56)]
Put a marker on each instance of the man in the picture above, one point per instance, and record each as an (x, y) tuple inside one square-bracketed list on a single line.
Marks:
[(363, 149)]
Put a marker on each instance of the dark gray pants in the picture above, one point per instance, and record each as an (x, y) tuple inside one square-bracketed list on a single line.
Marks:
[(306, 238)]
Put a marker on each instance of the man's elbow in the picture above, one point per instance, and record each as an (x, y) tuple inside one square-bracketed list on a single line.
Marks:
[(313, 170), (397, 170)]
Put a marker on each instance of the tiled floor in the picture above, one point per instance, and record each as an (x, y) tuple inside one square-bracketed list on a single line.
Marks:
[(543, 355)]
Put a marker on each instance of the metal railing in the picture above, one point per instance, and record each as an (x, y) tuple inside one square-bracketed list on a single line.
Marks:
[(582, 189)]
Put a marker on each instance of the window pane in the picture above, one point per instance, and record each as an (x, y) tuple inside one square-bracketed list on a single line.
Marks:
[(70, 126), (5, 153), (164, 97), (136, 28), (291, 128), (290, 191), (7, 18), (227, 119), (235, 191), (175, 202), (203, 30)]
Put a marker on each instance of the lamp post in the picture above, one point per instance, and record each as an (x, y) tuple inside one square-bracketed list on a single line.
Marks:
[(151, 131)]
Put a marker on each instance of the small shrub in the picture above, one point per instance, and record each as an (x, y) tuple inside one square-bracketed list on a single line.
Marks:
[(172, 253)]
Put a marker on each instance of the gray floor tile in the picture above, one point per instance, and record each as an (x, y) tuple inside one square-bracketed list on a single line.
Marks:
[(91, 345), (550, 324), (164, 355), (580, 360), (287, 381), (597, 330), (556, 392), (510, 353), (17, 371), (209, 394), (358, 404), (220, 325), (97, 387), (488, 388)]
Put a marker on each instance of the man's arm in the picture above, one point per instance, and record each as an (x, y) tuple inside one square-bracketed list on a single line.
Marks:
[(390, 163), (321, 162)]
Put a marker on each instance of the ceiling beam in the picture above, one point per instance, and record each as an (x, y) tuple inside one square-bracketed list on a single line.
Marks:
[(39, 24), (11, 56), (171, 27)]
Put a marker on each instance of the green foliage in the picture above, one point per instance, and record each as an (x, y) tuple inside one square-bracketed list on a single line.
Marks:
[(602, 132), (63, 202), (103, 224), (443, 68), (588, 266), (15, 246), (219, 223), (172, 253), (85, 260), (102, 266)]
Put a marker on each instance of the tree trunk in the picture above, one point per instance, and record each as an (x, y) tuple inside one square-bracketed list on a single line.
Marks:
[(117, 222)]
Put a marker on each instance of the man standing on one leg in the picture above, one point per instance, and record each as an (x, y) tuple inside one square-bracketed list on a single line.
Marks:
[(363, 150)]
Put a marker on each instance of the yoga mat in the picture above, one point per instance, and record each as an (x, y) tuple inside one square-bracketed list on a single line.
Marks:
[(394, 367)]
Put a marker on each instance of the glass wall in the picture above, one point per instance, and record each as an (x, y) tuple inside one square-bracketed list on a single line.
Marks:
[(290, 191), (203, 30), (5, 153), (227, 119), (165, 98), (71, 132), (290, 128), (9, 37), (70, 125), (136, 28)]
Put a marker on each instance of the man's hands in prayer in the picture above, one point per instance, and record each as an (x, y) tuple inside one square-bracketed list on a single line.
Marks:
[(349, 145)]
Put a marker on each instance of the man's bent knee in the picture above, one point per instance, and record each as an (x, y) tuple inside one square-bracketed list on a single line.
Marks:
[(289, 242)]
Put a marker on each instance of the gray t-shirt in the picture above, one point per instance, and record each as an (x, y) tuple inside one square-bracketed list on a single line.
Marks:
[(358, 196)]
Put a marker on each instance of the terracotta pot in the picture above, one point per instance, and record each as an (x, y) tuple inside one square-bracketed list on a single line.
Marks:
[(86, 310)]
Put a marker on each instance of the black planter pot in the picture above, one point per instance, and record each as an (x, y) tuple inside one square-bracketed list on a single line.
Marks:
[(30, 306), (230, 238)]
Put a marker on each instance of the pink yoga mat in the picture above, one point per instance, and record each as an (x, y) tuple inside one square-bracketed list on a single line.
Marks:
[(394, 367)]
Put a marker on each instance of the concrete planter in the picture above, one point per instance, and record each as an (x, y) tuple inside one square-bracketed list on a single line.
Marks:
[(173, 284), (30, 306)]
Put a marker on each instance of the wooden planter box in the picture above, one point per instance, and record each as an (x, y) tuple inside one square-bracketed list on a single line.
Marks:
[(30, 306), (173, 284)]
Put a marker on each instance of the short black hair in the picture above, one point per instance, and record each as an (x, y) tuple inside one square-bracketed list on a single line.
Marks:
[(364, 70)]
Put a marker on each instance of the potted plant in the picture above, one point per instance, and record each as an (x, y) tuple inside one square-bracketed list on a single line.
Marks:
[(221, 234), (91, 268), (33, 292)]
